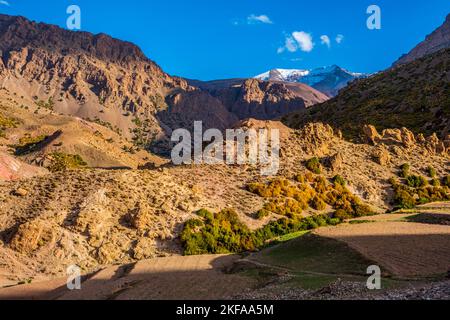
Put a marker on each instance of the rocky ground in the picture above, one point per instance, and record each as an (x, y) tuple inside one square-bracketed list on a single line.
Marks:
[(347, 290)]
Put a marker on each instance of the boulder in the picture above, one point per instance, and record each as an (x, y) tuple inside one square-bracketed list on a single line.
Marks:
[(315, 138), (141, 217), (408, 138), (93, 218), (372, 134), (335, 162), (382, 156), (32, 235), (20, 192)]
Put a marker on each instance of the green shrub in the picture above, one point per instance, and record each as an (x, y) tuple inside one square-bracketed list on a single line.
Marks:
[(446, 181), (62, 161), (28, 144), (314, 165), (393, 181), (261, 214), (7, 123), (216, 234), (339, 180), (435, 182), (334, 221), (404, 170), (431, 172), (224, 233), (416, 181), (342, 215), (404, 200)]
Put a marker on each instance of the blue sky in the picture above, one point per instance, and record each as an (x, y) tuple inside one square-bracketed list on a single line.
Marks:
[(213, 39)]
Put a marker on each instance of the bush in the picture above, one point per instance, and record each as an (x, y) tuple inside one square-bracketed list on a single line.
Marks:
[(28, 144), (342, 215), (435, 182), (416, 181), (7, 123), (224, 233), (61, 162), (314, 165), (404, 200), (217, 234), (431, 172), (339, 180), (446, 181), (404, 170), (261, 214), (393, 181), (318, 204)]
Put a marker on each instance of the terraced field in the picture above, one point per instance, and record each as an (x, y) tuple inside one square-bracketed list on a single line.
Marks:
[(414, 244)]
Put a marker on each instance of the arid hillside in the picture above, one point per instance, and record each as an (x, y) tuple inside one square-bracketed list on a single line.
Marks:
[(415, 95), (45, 138), (94, 217)]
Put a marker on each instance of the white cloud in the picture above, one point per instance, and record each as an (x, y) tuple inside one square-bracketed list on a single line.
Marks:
[(304, 40), (325, 40), (281, 50), (291, 45), (339, 38), (252, 19), (4, 2), (298, 40)]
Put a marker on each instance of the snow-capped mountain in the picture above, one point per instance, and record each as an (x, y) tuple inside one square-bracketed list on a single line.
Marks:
[(328, 80)]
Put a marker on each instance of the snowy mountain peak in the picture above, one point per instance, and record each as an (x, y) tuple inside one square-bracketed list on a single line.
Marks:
[(328, 79)]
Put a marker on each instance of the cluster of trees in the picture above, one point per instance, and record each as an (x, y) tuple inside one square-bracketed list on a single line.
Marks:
[(223, 232), (291, 198), (414, 190), (218, 233)]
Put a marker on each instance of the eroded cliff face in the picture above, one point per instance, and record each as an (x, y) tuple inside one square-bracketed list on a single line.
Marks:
[(262, 100)]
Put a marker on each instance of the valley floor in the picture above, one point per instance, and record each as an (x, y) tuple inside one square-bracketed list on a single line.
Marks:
[(412, 249)]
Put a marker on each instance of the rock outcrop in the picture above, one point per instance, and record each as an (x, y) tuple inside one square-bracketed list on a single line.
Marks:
[(382, 156), (405, 138), (316, 137)]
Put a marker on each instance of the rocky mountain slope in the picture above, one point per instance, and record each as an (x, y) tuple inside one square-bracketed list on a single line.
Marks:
[(414, 95), (44, 138), (438, 40), (263, 100), (328, 80), (108, 81)]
